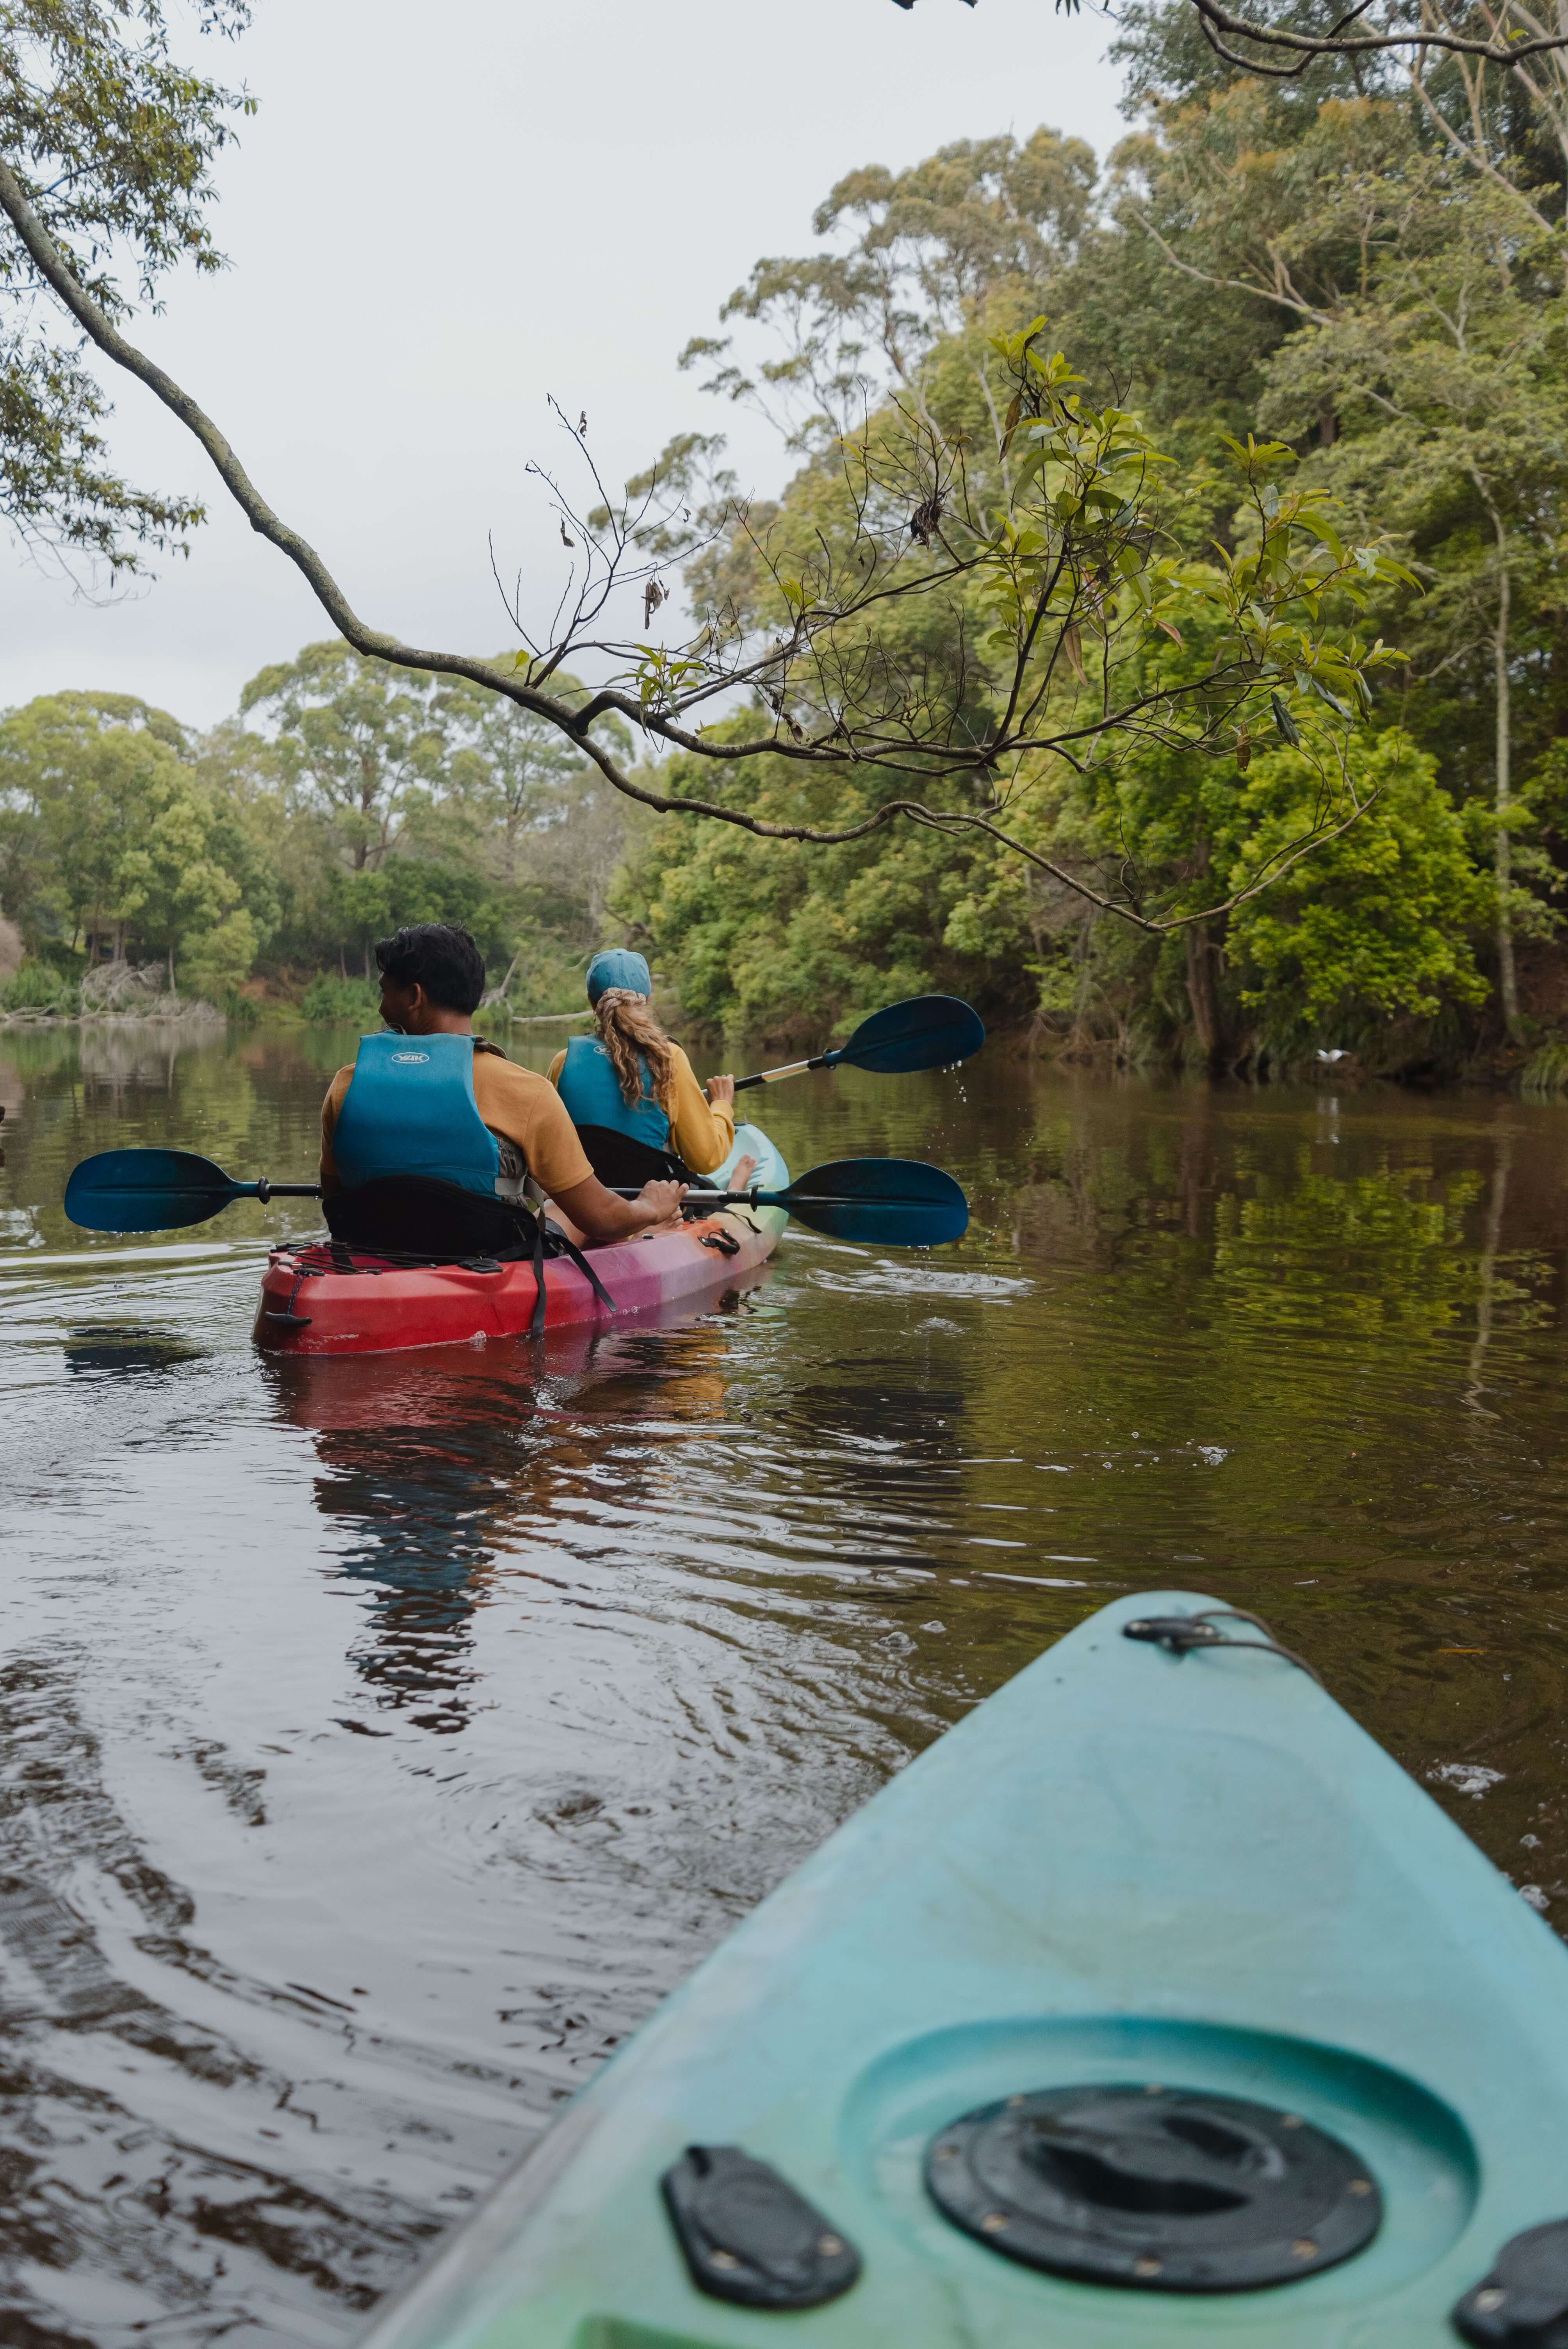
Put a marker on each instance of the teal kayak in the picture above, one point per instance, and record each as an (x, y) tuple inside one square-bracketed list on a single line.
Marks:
[(1153, 2000)]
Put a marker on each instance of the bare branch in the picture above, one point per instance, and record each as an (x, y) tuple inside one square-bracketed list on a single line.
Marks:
[(1218, 21)]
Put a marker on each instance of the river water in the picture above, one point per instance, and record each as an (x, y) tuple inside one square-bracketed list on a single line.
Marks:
[(379, 1741)]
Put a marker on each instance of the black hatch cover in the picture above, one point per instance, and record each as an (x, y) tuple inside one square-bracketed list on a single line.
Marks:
[(749, 2237), (1523, 2303), (1162, 2188)]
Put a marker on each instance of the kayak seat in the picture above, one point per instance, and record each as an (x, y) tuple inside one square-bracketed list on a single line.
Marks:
[(418, 1214), (622, 1160)]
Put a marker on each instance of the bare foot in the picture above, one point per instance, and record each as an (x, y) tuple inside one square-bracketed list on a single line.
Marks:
[(745, 1168)]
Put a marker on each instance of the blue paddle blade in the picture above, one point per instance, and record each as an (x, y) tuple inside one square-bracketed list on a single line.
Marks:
[(930, 1031), (885, 1202), (148, 1191)]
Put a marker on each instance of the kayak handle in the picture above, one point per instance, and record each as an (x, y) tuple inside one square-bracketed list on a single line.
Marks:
[(1180, 1634)]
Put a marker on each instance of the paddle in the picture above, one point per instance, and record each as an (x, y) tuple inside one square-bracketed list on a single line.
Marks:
[(929, 1031), (158, 1190), (888, 1202)]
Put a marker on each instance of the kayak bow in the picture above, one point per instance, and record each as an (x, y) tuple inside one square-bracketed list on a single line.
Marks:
[(1154, 2000)]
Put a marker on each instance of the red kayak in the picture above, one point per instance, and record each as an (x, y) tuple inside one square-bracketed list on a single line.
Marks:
[(319, 1299)]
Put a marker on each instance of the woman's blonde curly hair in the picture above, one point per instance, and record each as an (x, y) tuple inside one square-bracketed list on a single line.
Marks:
[(632, 1036)]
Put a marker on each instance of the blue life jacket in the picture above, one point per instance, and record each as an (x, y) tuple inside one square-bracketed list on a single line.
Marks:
[(592, 1091), (409, 1109)]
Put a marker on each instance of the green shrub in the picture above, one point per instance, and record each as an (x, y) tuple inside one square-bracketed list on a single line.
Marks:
[(36, 986), (1544, 1076), (340, 1002)]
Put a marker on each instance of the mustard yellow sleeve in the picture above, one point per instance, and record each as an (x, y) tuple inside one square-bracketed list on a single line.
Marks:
[(704, 1135), (553, 1071), (330, 1181)]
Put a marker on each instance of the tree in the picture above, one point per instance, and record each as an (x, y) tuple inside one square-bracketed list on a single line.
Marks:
[(1417, 340), (511, 772), (356, 739), (1448, 370), (1377, 925), (938, 244), (129, 840), (112, 144), (171, 888), (78, 776)]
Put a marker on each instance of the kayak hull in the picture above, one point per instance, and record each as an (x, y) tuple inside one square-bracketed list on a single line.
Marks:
[(1126, 1867), (308, 1306)]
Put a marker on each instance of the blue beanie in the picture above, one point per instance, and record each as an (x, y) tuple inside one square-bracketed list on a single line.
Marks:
[(618, 967)]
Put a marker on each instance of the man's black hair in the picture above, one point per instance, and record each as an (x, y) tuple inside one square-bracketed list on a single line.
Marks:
[(439, 958)]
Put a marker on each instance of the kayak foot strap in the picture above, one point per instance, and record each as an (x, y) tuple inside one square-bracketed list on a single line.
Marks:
[(748, 2237), (1180, 1634), (552, 1241)]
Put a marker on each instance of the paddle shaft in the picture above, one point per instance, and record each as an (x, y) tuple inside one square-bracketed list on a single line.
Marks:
[(790, 1068), (925, 1032), (699, 1202)]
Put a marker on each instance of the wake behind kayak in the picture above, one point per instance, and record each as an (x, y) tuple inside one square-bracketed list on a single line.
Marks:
[(1154, 2000)]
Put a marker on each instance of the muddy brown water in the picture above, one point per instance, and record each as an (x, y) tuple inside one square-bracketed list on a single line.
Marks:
[(379, 1741)]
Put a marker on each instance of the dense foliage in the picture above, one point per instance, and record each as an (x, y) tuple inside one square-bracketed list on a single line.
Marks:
[(363, 797), (112, 140), (1268, 563), (1369, 264)]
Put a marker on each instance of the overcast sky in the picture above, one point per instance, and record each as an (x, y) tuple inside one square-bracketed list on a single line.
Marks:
[(438, 216)]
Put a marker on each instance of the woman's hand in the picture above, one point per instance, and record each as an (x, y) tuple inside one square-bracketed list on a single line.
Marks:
[(720, 1092)]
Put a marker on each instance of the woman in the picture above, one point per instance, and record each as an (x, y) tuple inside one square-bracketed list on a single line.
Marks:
[(630, 1092)]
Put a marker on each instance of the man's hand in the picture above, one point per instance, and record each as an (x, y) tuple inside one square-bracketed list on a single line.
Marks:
[(720, 1092), (601, 1217), (662, 1201)]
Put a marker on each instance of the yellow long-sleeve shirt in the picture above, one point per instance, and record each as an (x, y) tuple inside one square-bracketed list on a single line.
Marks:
[(701, 1133)]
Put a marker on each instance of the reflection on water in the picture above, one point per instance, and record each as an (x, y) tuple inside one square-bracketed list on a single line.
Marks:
[(379, 1740)]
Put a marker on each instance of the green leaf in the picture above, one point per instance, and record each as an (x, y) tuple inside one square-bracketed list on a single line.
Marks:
[(1285, 722)]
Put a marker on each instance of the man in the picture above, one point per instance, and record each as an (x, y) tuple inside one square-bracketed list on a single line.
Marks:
[(433, 1103)]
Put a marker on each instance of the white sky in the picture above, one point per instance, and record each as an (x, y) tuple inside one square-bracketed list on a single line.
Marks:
[(440, 214)]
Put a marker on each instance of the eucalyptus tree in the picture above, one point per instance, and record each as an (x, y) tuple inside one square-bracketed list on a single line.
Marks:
[(1417, 347), (359, 741), (114, 142), (1448, 373), (118, 836)]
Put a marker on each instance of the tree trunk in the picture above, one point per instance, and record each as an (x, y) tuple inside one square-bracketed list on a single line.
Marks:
[(1203, 990), (1507, 976), (171, 970)]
